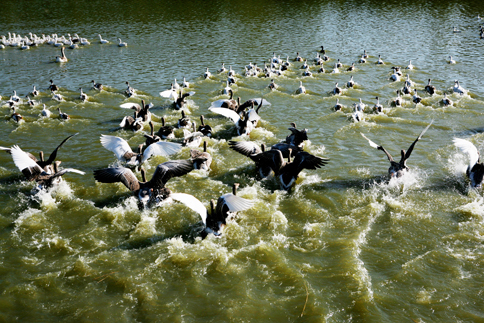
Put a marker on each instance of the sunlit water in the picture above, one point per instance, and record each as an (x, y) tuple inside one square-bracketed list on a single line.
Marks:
[(345, 245)]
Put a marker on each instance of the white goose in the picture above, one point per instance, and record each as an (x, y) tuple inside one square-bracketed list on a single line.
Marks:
[(62, 58), (121, 44), (45, 112), (102, 41), (301, 89), (207, 74), (410, 66), (82, 96), (458, 88), (451, 60)]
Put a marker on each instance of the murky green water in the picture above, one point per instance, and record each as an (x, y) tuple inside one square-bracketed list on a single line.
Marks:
[(342, 246)]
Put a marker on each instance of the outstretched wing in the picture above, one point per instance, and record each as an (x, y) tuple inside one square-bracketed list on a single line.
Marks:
[(218, 103), (409, 151), (130, 105), (24, 163), (169, 94), (54, 153), (259, 100), (229, 203), (161, 148), (227, 113), (117, 145), (68, 170), (390, 158), (245, 148), (193, 203), (467, 148), (173, 168), (117, 174), (305, 160)]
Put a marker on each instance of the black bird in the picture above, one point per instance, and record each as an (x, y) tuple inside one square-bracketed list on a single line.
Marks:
[(400, 168), (149, 193), (227, 206)]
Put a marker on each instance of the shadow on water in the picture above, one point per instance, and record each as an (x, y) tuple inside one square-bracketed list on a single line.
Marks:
[(469, 132)]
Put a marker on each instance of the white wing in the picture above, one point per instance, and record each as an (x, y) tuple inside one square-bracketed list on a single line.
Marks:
[(73, 170), (253, 116), (218, 103), (226, 113), (130, 105), (169, 94), (236, 203), (191, 202), (161, 148), (117, 145), (264, 101), (467, 148), (21, 158), (371, 142)]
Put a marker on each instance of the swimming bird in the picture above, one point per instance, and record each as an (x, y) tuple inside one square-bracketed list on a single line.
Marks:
[(358, 114), (458, 88), (52, 86), (97, 86), (446, 101), (34, 92), (204, 128), (242, 125), (62, 58), (185, 83), (129, 92), (321, 69), (166, 132), (362, 59), (227, 89), (63, 116), (231, 72), (451, 60), (307, 72), (181, 101), (151, 138), (226, 207), (57, 96), (305, 65), (230, 103), (121, 44), (82, 96), (416, 98), (409, 66), (301, 89), (335, 69), (398, 100), (201, 159), (455, 30), (298, 58), (45, 112), (30, 101), (171, 93), (351, 82), (102, 41), (184, 121), (475, 169), (222, 69), (207, 74), (124, 154), (339, 64), (380, 61), (395, 76), (337, 90), (365, 54), (15, 115), (192, 139), (377, 107), (15, 98), (337, 106), (351, 68), (430, 88), (149, 193), (134, 123), (273, 85), (400, 168)]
